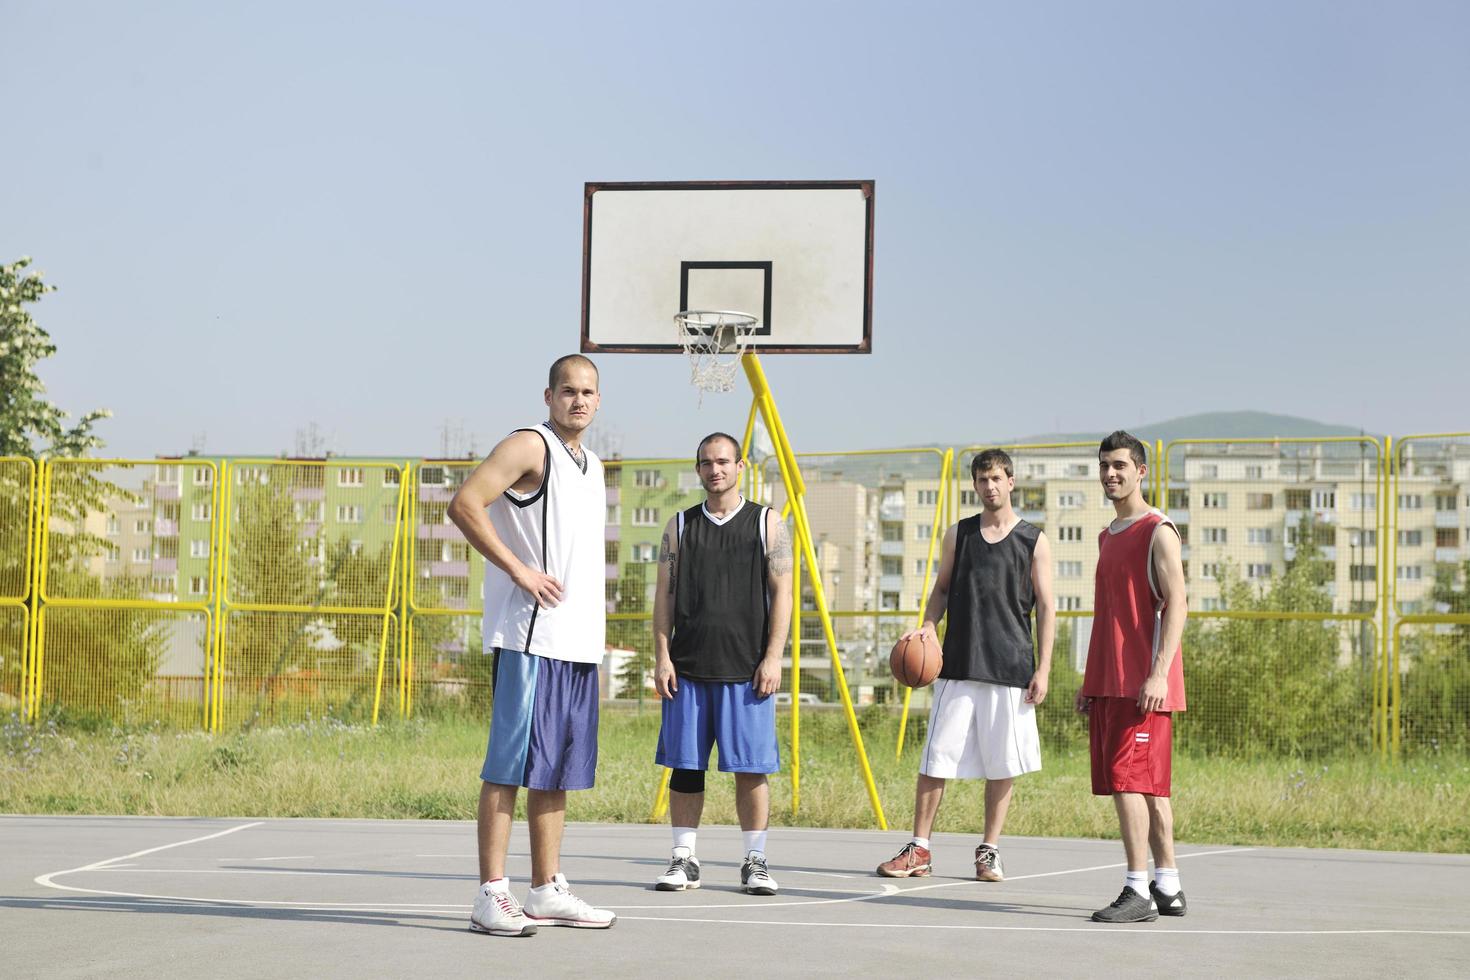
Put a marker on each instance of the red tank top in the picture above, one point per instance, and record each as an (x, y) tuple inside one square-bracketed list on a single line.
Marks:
[(1127, 617)]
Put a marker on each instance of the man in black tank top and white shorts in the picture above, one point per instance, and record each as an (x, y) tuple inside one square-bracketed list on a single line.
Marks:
[(720, 616), (994, 571)]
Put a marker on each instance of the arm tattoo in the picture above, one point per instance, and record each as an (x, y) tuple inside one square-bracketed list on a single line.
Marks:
[(780, 557), (666, 555)]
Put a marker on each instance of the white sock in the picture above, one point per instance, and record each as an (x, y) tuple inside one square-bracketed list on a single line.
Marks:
[(920, 841), (684, 839), (755, 840), (501, 885), (1138, 881), (544, 889), (1166, 880)]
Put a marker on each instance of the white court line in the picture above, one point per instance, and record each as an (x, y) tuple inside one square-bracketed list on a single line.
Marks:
[(282, 857), (1097, 930), (46, 879)]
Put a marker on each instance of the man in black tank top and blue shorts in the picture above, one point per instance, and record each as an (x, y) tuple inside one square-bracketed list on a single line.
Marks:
[(994, 571), (720, 615)]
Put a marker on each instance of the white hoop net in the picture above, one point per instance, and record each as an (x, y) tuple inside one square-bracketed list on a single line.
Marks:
[(714, 341)]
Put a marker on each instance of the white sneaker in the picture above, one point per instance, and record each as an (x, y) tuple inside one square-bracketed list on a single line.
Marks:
[(557, 906), (682, 875), (499, 914), (755, 877)]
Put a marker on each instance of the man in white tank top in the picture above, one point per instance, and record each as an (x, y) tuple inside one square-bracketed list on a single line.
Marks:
[(536, 509)]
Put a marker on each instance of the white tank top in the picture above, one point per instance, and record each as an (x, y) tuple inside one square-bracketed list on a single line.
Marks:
[(558, 529)]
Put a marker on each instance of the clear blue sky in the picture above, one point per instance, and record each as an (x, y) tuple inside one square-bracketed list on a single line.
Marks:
[(368, 215)]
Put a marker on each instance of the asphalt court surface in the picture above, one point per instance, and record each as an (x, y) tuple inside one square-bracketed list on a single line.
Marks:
[(143, 896)]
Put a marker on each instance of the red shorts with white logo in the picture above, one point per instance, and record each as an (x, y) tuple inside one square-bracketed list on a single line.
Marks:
[(1131, 749)]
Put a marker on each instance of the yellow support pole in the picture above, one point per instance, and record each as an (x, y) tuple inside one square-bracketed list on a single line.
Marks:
[(939, 510), (796, 685), (795, 492), (661, 798), (43, 554), (30, 692)]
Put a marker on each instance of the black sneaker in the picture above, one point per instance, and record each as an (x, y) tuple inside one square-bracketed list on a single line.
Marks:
[(755, 877), (682, 875), (1129, 907), (1168, 904)]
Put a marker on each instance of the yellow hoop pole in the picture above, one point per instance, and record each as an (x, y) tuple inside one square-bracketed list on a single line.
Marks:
[(796, 684), (661, 798), (795, 492)]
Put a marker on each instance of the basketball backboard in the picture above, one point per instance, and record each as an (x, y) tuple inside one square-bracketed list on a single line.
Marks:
[(796, 254)]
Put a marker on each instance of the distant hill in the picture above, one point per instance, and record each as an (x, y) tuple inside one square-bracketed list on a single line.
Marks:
[(1212, 425)]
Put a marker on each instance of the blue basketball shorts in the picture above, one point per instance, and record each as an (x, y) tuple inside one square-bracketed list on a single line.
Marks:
[(705, 714), (543, 724)]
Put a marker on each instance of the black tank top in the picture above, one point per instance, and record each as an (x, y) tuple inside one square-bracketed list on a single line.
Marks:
[(720, 615), (988, 637)]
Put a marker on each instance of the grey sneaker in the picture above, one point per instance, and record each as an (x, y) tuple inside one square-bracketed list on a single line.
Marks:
[(1167, 904), (1128, 907), (987, 864), (559, 907), (499, 914), (683, 874), (755, 877)]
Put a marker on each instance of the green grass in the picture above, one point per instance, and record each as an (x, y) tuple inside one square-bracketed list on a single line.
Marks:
[(429, 769)]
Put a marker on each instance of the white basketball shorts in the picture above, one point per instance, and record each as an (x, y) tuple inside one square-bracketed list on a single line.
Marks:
[(980, 731)]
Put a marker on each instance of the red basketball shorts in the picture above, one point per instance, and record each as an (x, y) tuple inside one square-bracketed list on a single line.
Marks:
[(1131, 749)]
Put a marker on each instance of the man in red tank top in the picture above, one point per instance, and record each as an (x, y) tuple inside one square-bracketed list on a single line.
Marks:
[(1134, 681)]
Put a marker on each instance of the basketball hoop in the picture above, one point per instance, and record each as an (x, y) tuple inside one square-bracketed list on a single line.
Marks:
[(714, 341)]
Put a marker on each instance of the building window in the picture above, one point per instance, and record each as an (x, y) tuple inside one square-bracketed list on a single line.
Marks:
[(923, 532), (1209, 471), (1324, 500), (1298, 499), (1444, 502), (891, 565), (1069, 532), (1036, 471), (1411, 573), (349, 476), (1079, 470), (1259, 535), (198, 549), (1411, 539), (1363, 539), (1447, 537), (688, 481), (927, 498), (892, 531), (1255, 472), (614, 514), (1178, 499), (1069, 569), (920, 565), (1258, 570), (312, 510), (1411, 501), (142, 554), (1363, 501), (1214, 501), (390, 513), (969, 498), (196, 585), (1259, 501), (203, 476), (1362, 573), (348, 513), (354, 547), (1069, 501), (251, 474), (142, 526), (609, 552), (168, 474), (1210, 604), (645, 478), (112, 527), (1210, 570), (888, 602), (1069, 603), (114, 554), (200, 512), (645, 516), (1214, 535), (392, 477)]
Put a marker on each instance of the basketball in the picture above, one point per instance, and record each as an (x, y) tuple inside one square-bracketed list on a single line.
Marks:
[(915, 660)]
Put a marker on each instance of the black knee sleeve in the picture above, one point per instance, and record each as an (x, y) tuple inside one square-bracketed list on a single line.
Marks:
[(687, 781)]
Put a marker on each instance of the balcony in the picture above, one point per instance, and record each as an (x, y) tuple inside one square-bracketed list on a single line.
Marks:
[(890, 583), (165, 528), (613, 532), (614, 495), (435, 495), (1180, 516), (610, 572), (166, 491), (165, 566), (891, 511), (1034, 515), (891, 548), (439, 532), (1449, 556), (309, 493), (1446, 518)]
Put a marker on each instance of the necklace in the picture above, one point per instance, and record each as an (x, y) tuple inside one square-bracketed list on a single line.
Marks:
[(578, 455)]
